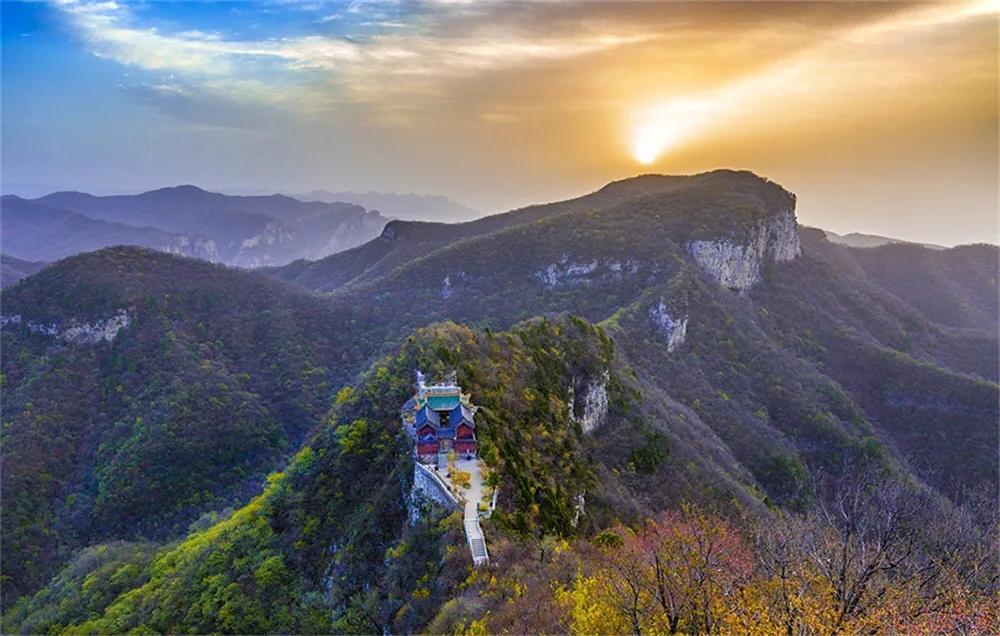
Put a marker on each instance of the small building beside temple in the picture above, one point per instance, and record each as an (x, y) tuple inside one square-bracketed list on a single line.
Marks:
[(443, 419)]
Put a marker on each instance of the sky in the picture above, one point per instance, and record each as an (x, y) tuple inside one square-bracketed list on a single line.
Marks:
[(881, 117)]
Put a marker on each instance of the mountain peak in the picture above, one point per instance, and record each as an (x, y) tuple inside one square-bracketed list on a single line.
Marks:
[(184, 189)]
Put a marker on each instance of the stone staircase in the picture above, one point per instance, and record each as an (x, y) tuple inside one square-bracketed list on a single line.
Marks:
[(429, 483), (474, 535)]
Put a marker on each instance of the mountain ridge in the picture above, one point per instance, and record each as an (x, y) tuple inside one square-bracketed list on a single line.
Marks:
[(37, 231), (403, 240), (14, 269), (860, 239), (245, 231), (414, 207)]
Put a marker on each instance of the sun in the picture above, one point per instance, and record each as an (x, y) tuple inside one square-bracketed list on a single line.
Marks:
[(662, 127), (645, 149), (654, 139)]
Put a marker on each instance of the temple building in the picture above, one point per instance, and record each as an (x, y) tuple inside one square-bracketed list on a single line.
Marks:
[(443, 419)]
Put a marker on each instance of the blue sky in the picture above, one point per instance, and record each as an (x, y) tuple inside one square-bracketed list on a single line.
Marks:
[(879, 116)]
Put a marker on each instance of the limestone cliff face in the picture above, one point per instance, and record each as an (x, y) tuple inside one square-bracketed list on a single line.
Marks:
[(592, 403), (567, 272), (673, 328), (74, 332), (739, 265), (196, 247)]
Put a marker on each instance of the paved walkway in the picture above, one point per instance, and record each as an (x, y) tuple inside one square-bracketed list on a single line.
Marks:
[(473, 494)]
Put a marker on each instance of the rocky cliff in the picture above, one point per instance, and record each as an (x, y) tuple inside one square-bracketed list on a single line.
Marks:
[(672, 327), (75, 332), (739, 264), (592, 404)]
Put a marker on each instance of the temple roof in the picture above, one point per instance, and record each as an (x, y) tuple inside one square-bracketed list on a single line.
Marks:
[(442, 406), (427, 414), (443, 402), (460, 414)]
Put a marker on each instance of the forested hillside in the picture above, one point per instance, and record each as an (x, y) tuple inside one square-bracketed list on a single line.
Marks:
[(750, 369), (215, 380)]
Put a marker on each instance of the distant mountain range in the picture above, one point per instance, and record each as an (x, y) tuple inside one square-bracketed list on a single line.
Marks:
[(241, 231), (857, 239), (258, 230), (14, 269), (410, 207)]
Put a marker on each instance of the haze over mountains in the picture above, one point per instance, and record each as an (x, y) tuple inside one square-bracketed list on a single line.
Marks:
[(411, 207), (243, 231), (14, 269), (663, 339), (857, 239)]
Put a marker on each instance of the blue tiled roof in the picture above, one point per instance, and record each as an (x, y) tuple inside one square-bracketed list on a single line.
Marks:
[(459, 415), (447, 432), (427, 414)]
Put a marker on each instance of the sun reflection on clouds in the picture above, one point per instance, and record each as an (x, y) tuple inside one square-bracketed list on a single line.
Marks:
[(661, 127)]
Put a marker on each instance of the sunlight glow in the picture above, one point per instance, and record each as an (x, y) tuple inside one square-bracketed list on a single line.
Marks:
[(661, 127)]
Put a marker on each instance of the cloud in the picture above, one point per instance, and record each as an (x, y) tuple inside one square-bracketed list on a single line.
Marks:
[(842, 61), (107, 29), (398, 58)]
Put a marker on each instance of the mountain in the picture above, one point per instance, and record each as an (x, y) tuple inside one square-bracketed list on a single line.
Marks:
[(647, 257), (856, 239), (242, 231), (964, 280), (403, 241), (175, 385), (662, 341), (411, 207), (35, 231), (14, 269)]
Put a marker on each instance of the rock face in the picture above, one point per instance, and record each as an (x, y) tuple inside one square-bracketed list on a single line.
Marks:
[(579, 505), (740, 266), (195, 247), (428, 487), (75, 332), (261, 248), (672, 328), (593, 403), (567, 272)]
